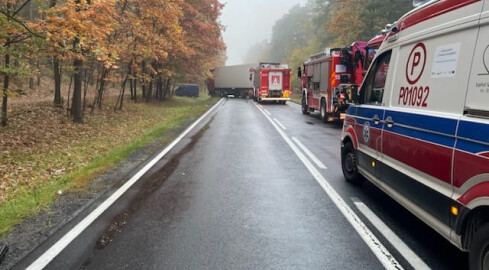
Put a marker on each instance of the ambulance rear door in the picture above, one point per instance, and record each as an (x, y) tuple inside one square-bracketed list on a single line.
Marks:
[(471, 155)]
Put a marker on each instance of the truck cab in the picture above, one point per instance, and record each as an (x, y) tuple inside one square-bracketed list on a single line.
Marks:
[(420, 127)]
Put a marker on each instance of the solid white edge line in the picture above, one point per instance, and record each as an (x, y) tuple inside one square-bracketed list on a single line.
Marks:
[(384, 256), (280, 124), (62, 243), (293, 104), (310, 154), (403, 249)]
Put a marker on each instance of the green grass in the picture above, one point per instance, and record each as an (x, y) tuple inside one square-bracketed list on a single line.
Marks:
[(31, 199)]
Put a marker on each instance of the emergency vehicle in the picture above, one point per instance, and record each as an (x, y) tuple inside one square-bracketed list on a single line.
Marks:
[(419, 129), (371, 49), (330, 79), (271, 82)]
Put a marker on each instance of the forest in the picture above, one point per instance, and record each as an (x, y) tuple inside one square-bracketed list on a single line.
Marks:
[(144, 46), (319, 24)]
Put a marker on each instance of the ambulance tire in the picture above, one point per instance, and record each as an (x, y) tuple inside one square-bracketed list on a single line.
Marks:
[(349, 164), (479, 249), (322, 111), (305, 108)]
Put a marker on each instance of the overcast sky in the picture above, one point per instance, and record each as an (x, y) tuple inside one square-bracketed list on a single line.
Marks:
[(249, 22)]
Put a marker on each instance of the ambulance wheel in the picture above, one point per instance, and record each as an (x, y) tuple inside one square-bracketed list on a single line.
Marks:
[(322, 111), (349, 164), (305, 109), (479, 249)]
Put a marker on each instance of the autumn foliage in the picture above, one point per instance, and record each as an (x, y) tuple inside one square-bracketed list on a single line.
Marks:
[(138, 44)]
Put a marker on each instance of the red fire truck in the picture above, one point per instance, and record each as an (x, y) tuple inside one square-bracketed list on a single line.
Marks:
[(331, 78), (271, 82)]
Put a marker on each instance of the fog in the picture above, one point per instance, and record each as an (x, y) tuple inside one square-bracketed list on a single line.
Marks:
[(249, 22)]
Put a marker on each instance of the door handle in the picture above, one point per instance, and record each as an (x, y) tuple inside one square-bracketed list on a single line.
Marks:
[(376, 119), (389, 121)]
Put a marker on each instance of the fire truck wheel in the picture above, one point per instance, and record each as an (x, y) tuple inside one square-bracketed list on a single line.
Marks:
[(322, 111), (305, 109), (349, 164), (479, 249)]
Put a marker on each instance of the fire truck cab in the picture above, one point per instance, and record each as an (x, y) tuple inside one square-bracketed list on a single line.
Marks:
[(419, 129)]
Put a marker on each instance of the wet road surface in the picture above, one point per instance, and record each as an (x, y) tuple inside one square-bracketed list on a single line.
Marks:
[(234, 195)]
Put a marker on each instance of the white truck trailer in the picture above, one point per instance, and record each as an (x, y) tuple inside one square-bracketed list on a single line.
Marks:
[(233, 80)]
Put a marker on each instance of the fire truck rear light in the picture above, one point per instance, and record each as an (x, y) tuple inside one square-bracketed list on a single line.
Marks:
[(454, 210)]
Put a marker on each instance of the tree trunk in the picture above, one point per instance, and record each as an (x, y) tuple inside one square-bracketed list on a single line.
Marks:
[(144, 83), (120, 99), (167, 88), (39, 72), (135, 83), (31, 78), (5, 88), (160, 88), (149, 93), (58, 102), (131, 86), (76, 106)]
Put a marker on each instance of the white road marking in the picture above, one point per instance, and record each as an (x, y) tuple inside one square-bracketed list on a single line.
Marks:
[(265, 110), (280, 124), (406, 252), (293, 104), (384, 256), (310, 154), (62, 243)]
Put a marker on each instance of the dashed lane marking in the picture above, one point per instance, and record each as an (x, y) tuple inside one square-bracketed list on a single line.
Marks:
[(379, 250)]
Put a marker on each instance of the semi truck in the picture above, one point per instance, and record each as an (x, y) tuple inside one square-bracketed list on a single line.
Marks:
[(271, 82), (231, 80)]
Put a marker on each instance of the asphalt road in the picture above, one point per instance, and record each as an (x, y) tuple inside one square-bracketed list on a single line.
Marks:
[(240, 191)]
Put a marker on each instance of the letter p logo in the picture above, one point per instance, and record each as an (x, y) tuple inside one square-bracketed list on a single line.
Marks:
[(416, 63)]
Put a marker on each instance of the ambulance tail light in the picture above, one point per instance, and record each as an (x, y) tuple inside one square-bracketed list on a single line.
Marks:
[(454, 210)]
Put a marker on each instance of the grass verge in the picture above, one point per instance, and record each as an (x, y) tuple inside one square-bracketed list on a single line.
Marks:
[(103, 145)]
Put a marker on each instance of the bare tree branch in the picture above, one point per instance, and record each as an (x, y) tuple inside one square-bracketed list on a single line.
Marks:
[(20, 8), (22, 24)]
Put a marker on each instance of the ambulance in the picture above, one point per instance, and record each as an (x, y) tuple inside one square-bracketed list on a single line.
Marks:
[(419, 128)]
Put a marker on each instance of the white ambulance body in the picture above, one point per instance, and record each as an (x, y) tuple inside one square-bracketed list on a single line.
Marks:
[(420, 128)]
